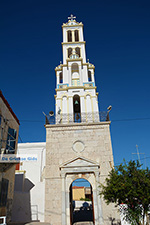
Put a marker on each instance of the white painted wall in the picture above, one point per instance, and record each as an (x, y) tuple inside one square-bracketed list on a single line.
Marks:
[(34, 174)]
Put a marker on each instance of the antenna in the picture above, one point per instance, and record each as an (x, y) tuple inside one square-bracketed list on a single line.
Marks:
[(138, 154)]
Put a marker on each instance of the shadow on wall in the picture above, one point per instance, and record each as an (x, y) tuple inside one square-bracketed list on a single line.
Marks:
[(21, 211), (113, 221)]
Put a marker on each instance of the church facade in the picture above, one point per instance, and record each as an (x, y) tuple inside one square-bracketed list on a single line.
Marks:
[(78, 142)]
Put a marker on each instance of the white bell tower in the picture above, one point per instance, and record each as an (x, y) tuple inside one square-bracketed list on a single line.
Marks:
[(78, 142), (76, 97)]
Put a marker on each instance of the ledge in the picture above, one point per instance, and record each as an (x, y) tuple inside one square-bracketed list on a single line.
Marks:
[(77, 124)]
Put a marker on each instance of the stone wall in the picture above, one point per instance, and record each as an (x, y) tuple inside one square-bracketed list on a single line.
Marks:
[(93, 143)]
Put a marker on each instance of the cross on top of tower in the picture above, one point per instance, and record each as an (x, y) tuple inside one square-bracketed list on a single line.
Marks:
[(71, 17)]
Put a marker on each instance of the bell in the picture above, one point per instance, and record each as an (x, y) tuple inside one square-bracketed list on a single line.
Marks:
[(76, 102)]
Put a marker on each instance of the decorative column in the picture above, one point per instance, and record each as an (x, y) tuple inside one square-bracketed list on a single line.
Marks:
[(73, 38), (63, 176), (99, 206), (70, 108), (85, 108), (67, 203), (95, 205)]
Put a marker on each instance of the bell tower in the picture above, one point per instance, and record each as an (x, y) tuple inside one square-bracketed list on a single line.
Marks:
[(78, 142), (76, 97)]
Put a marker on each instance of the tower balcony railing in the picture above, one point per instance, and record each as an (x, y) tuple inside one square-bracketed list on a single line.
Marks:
[(68, 118), (89, 84)]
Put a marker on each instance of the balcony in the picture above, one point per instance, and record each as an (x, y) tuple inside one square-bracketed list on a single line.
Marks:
[(89, 84), (77, 118), (62, 86)]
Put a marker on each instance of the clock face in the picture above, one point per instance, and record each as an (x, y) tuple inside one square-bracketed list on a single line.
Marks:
[(78, 146)]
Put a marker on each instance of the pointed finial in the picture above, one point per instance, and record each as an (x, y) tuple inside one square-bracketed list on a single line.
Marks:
[(88, 60), (60, 62), (71, 17)]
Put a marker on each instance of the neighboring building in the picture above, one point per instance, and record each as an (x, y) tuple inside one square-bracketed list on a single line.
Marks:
[(78, 193), (29, 191), (9, 128), (88, 193), (78, 142)]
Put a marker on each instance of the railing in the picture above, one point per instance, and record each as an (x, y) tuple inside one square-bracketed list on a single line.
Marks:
[(75, 83), (34, 212), (77, 118), (89, 84), (6, 150)]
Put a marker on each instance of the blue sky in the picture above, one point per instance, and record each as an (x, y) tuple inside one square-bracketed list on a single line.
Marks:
[(117, 35)]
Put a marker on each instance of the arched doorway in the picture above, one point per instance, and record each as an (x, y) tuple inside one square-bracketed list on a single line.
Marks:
[(76, 109), (81, 201)]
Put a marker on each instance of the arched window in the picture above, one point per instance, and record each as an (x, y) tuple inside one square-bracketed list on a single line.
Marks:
[(75, 68), (69, 34), (77, 51), (60, 78), (89, 76), (76, 34), (69, 52), (75, 74)]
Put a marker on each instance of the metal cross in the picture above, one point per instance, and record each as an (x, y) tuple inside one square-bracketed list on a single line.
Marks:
[(71, 17)]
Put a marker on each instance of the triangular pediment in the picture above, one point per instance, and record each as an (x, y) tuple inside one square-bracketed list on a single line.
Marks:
[(79, 162), (72, 23)]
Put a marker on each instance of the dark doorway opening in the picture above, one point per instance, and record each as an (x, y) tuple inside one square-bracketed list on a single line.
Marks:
[(76, 109), (81, 202)]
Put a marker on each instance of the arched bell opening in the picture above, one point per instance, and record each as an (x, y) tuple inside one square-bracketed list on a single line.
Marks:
[(69, 52), (60, 78), (81, 201), (75, 74), (76, 109), (77, 50), (69, 35), (76, 34), (89, 76)]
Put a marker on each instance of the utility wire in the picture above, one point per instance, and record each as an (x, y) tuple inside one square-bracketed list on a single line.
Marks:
[(20, 138), (120, 120)]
